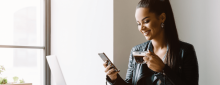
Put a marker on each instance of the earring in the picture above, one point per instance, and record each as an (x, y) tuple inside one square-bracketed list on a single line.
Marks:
[(162, 25)]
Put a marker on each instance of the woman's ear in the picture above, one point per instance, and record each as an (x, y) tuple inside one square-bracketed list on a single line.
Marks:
[(163, 17)]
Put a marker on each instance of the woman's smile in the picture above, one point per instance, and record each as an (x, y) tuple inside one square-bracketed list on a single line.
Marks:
[(146, 33)]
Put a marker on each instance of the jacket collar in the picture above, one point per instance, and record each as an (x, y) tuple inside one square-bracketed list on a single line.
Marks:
[(147, 46)]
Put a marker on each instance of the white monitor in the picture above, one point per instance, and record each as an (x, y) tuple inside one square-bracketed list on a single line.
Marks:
[(55, 70)]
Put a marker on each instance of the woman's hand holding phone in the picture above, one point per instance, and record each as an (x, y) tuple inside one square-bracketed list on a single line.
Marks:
[(110, 71)]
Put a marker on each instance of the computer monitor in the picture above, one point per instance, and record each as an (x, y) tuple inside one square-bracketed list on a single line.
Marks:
[(55, 70)]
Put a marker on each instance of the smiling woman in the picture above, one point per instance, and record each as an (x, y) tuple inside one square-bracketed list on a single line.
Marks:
[(150, 26), (168, 61)]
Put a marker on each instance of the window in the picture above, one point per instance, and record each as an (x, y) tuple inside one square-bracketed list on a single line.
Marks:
[(23, 43)]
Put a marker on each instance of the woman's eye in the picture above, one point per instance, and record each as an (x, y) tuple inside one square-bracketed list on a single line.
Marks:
[(146, 21), (138, 24)]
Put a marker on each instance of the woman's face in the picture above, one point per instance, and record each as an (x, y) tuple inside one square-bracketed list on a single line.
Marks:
[(148, 23)]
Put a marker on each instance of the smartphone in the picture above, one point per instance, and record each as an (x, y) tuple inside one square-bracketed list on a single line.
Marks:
[(105, 58)]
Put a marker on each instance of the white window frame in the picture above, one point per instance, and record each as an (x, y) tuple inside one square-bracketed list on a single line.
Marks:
[(47, 39)]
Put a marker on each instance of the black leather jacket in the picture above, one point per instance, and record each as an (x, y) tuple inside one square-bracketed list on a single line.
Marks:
[(186, 75)]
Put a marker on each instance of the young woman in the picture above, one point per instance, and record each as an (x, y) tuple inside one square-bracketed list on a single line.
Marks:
[(169, 61)]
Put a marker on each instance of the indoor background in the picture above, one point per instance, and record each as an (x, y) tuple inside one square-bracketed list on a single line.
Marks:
[(83, 28)]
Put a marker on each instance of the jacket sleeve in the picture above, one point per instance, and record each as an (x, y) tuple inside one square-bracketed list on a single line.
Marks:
[(129, 75), (189, 74)]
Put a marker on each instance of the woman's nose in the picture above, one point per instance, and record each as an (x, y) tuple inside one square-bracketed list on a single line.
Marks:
[(143, 27)]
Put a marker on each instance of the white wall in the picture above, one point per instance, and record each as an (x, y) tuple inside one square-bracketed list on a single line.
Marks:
[(212, 41), (80, 30)]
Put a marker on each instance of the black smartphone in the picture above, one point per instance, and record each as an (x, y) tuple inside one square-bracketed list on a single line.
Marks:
[(105, 58)]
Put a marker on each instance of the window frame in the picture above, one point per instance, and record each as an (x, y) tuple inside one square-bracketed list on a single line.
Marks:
[(47, 17), (46, 4)]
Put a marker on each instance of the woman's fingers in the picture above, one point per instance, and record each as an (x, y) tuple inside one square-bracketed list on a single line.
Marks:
[(115, 72), (107, 68), (146, 58), (149, 54), (105, 64), (111, 72)]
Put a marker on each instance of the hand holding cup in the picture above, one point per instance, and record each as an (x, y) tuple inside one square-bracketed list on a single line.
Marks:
[(153, 62)]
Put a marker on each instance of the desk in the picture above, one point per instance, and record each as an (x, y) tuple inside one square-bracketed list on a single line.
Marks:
[(19, 84)]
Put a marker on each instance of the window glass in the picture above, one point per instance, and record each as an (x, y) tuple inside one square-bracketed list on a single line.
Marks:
[(24, 63), (21, 22)]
